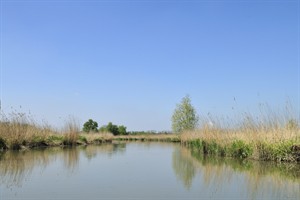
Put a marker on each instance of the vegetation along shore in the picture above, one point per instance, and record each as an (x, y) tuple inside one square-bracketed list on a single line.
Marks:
[(271, 138)]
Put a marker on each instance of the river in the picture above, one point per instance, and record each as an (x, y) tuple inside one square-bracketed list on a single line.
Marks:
[(140, 170)]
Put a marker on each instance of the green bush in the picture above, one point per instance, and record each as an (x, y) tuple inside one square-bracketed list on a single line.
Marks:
[(240, 149), (114, 129), (122, 130), (90, 126), (277, 152), (82, 139)]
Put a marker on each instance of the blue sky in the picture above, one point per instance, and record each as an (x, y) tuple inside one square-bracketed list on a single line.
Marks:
[(131, 62)]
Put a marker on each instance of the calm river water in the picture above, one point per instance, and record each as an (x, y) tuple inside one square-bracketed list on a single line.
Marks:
[(140, 171)]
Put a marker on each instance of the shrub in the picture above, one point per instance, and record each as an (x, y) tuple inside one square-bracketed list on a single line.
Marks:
[(122, 130), (114, 129), (90, 126)]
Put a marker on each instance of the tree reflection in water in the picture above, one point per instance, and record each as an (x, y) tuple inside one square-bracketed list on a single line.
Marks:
[(195, 171), (279, 180), (15, 166), (183, 166)]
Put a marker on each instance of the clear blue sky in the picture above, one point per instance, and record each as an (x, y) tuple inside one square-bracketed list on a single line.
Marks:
[(131, 62)]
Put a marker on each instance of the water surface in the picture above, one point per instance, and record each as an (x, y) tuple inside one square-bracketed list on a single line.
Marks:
[(141, 171)]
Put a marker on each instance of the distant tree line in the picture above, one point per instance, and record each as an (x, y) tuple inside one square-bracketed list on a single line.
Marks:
[(92, 126), (148, 132)]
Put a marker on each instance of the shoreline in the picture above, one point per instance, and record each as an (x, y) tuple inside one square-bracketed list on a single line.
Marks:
[(287, 150)]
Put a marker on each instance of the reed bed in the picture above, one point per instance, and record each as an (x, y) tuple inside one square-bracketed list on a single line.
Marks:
[(270, 136), (18, 131), (275, 141)]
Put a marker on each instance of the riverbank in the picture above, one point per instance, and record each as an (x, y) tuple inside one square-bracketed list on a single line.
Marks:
[(281, 144), (275, 143), (17, 136)]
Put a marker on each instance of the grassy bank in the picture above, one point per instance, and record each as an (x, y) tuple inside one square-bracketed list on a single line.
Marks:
[(270, 141), (20, 132), (272, 144)]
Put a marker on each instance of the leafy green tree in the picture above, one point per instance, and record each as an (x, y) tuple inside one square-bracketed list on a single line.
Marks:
[(90, 126), (184, 116), (112, 128), (122, 130)]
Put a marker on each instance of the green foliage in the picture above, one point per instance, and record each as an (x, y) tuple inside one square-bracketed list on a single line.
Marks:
[(114, 129), (122, 130), (197, 143), (240, 149), (83, 139), (184, 116), (277, 152), (143, 133), (90, 126)]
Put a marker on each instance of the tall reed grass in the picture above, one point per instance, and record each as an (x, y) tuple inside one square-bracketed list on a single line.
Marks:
[(269, 136), (19, 131)]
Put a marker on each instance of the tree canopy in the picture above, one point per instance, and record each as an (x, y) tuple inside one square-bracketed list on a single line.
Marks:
[(90, 126), (185, 116)]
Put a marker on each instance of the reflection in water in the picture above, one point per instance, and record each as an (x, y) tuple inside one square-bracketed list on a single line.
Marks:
[(183, 166), (91, 151), (198, 174), (15, 166), (71, 158), (280, 180)]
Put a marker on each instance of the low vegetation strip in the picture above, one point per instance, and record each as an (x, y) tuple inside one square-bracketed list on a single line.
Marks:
[(280, 145), (275, 142), (150, 137)]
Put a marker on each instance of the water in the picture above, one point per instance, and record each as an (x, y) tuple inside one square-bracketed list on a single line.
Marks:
[(140, 171)]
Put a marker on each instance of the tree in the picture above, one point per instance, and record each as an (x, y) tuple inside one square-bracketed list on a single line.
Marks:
[(112, 128), (184, 116), (122, 130), (90, 126)]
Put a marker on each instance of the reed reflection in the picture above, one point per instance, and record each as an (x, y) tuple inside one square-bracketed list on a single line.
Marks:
[(16, 166), (262, 179)]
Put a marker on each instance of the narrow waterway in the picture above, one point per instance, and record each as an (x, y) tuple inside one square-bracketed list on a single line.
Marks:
[(141, 171)]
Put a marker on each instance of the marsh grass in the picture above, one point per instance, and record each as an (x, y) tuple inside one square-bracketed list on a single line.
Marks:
[(71, 131), (19, 131), (96, 138), (270, 136), (267, 137)]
